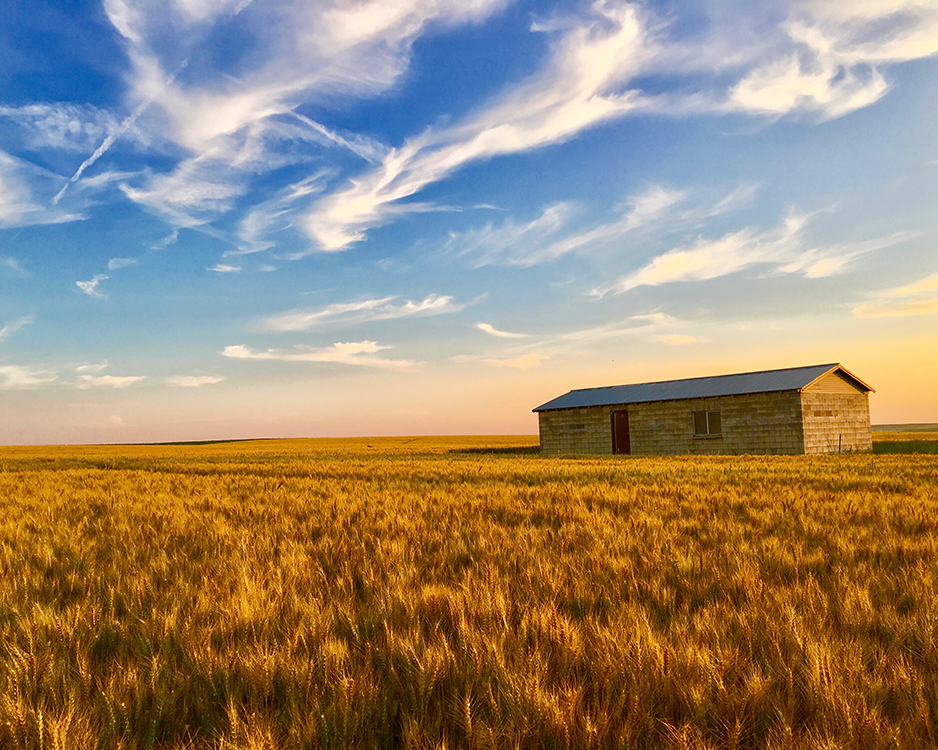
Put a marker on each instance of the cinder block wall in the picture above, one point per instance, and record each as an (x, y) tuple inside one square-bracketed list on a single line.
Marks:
[(836, 421), (754, 423)]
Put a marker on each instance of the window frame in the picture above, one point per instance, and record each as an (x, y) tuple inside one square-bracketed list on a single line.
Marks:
[(710, 433)]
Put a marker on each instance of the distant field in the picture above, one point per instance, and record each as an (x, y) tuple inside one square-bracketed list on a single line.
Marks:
[(918, 441), (463, 593), (914, 427)]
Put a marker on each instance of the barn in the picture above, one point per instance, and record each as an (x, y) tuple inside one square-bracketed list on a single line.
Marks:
[(816, 409)]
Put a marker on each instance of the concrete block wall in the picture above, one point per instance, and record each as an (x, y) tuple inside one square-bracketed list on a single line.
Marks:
[(753, 423), (836, 421)]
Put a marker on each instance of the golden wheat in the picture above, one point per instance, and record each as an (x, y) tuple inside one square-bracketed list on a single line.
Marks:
[(464, 593)]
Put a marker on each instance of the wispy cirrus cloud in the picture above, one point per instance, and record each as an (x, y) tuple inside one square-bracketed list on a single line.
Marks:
[(917, 298), (193, 381), (85, 382), (90, 287), (492, 331), (12, 327), (93, 367), (237, 122), (17, 377), (358, 354), (822, 61), (224, 268), (551, 236), (260, 224), (783, 248), (115, 264), (582, 86), (513, 244), (22, 189), (385, 308)]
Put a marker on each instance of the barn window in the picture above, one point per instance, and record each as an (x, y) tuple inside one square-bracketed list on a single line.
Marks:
[(707, 423)]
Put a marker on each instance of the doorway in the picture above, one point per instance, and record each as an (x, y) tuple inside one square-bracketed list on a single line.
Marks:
[(621, 443)]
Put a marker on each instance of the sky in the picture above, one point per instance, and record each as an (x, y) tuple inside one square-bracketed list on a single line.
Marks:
[(231, 219)]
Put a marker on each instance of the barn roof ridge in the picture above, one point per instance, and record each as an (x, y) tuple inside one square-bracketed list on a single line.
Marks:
[(708, 386), (707, 377)]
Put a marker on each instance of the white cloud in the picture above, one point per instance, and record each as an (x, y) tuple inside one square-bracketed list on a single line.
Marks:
[(657, 319), (16, 377), (198, 191), (62, 126), (19, 184), (107, 381), (346, 353), (237, 123), (705, 259), (833, 54), (782, 247), (513, 244), (548, 236), (830, 260), (485, 327), (115, 422), (11, 328), (166, 241), (96, 367), (367, 148), (271, 216), (817, 63), (679, 339), (115, 264), (193, 381), (650, 206), (918, 298), (582, 86), (524, 362), (223, 268), (91, 287), (359, 312)]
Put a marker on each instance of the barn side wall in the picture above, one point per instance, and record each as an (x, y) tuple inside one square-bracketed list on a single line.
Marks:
[(836, 422), (752, 423)]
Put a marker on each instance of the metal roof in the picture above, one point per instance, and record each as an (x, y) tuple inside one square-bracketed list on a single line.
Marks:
[(766, 381)]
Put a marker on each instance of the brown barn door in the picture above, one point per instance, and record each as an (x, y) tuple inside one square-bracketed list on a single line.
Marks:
[(620, 433)]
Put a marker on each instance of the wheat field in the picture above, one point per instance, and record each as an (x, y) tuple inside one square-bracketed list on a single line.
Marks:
[(464, 593)]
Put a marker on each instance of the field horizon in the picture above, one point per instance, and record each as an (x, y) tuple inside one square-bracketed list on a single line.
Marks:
[(910, 427)]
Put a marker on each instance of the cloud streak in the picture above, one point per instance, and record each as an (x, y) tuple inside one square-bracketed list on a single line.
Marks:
[(581, 87), (363, 311), (107, 381), (193, 381), (917, 298), (550, 236), (9, 329), (16, 377), (491, 331), (782, 247), (356, 354), (90, 287)]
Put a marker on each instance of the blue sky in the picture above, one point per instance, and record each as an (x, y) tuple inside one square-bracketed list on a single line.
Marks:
[(225, 218)]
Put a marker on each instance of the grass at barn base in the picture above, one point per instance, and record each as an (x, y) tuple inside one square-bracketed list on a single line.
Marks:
[(464, 592)]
